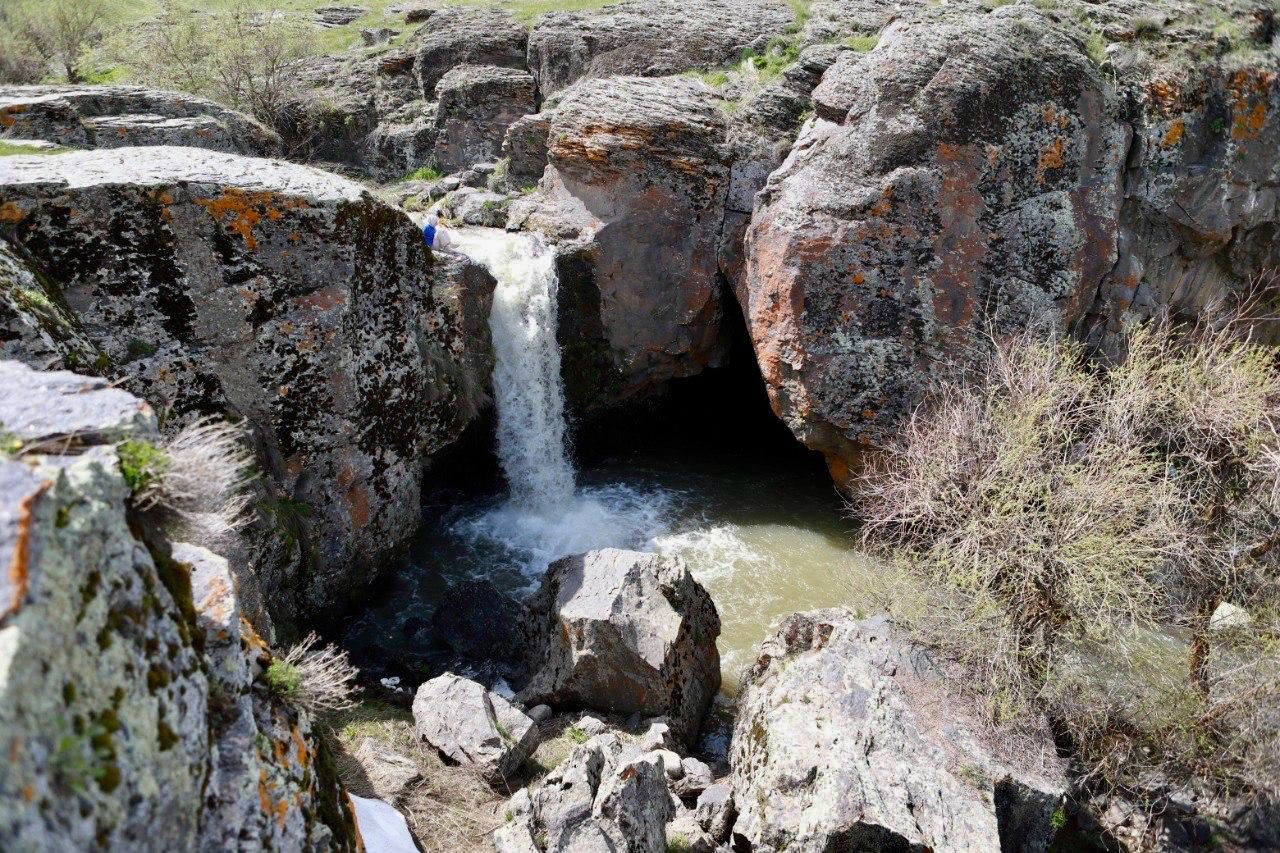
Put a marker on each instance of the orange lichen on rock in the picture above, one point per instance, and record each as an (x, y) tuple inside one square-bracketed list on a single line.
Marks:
[(241, 210), (7, 115), (1052, 157), (1174, 134), (1250, 90), (11, 212), (18, 563), (1164, 94)]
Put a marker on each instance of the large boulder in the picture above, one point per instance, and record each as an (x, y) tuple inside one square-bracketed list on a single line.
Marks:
[(271, 292), (461, 35), (119, 116), (635, 189), (651, 39), (961, 178), (129, 700), (848, 737), (625, 632), (605, 797), (470, 725), (477, 105)]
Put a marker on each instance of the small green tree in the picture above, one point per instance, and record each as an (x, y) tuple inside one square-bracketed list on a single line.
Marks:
[(60, 31), (248, 55)]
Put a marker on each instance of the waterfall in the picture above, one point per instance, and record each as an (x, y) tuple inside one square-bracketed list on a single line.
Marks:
[(545, 515), (527, 388)]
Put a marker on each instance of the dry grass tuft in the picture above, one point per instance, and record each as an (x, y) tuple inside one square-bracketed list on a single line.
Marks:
[(205, 482), (319, 680)]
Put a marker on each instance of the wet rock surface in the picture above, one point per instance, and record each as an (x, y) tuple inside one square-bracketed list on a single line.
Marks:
[(120, 116), (849, 737), (277, 293), (625, 632)]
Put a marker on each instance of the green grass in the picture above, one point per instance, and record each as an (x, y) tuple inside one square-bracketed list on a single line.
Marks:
[(864, 42), (10, 444), (284, 679), (423, 173), (525, 11), (141, 463), (11, 149)]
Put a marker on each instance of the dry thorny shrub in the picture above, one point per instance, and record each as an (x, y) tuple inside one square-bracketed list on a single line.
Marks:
[(1076, 528)]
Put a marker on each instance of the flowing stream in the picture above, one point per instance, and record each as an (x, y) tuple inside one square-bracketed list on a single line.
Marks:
[(765, 534)]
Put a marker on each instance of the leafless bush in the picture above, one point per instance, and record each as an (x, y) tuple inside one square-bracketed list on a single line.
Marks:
[(18, 62), (247, 56), (207, 478), (1077, 528), (318, 680)]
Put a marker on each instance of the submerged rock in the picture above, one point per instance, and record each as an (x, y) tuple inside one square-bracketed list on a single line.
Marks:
[(625, 632), (271, 292), (120, 116), (470, 725), (849, 737)]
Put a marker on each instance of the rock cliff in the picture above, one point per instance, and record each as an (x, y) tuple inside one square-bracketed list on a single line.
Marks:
[(131, 703), (278, 294)]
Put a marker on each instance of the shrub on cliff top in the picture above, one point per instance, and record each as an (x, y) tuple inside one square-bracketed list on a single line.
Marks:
[(1078, 527)]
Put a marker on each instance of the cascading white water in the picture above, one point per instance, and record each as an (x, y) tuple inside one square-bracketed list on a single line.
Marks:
[(545, 517), (526, 377)]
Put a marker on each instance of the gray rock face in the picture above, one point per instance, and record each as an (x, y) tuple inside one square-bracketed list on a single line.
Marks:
[(460, 35), (625, 632), (119, 116), (127, 693), (56, 410), (650, 39), (636, 187), (848, 737), (603, 798), (272, 292), (525, 147), (1200, 217), (470, 725), (961, 174), (477, 105)]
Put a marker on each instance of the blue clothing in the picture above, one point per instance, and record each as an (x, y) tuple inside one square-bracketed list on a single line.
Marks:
[(429, 234)]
